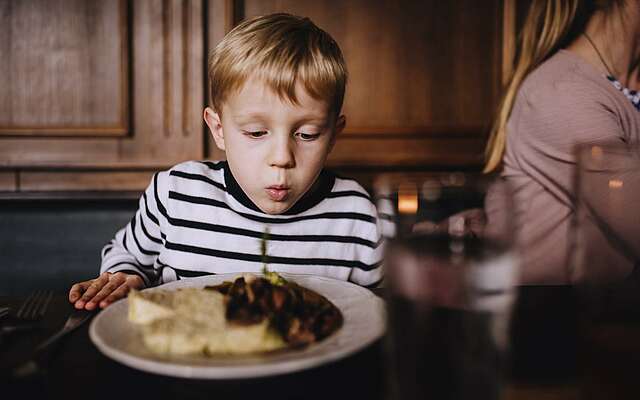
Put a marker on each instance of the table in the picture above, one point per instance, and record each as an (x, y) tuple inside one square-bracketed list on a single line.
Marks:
[(77, 369)]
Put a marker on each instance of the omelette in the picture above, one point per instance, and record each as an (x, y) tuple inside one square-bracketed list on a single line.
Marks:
[(249, 315)]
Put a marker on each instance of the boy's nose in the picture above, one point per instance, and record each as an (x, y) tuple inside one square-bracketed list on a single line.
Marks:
[(282, 155)]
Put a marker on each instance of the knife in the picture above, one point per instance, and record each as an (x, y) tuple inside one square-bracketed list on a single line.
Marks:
[(30, 367)]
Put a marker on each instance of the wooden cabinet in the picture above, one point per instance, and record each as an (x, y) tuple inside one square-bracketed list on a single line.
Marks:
[(98, 94), (424, 75), (70, 76), (98, 87)]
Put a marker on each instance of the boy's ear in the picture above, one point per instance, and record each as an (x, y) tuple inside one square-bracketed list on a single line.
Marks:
[(341, 122), (213, 121)]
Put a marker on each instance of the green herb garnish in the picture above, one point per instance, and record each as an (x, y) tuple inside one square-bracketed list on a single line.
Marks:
[(273, 277)]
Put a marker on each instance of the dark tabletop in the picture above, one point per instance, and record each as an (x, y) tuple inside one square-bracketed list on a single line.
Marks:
[(544, 363), (75, 367)]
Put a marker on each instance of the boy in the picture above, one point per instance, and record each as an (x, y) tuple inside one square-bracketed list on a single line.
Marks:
[(277, 86)]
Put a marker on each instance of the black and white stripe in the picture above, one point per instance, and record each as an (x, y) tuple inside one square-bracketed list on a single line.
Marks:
[(189, 223)]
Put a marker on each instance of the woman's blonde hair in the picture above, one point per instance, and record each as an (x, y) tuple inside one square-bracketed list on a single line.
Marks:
[(282, 50), (549, 26)]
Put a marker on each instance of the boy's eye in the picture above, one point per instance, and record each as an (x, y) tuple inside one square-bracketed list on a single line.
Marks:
[(256, 134), (307, 136)]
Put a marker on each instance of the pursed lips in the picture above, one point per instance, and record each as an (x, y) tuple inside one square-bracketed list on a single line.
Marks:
[(278, 192)]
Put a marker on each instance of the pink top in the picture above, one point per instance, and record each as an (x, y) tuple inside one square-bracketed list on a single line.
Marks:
[(563, 102)]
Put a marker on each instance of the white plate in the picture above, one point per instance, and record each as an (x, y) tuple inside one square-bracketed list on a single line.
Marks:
[(364, 322)]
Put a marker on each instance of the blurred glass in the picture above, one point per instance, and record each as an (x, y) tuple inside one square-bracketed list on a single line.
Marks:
[(451, 275), (607, 219), (605, 254)]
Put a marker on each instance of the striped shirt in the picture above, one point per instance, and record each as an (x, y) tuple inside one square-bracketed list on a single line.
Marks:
[(194, 220)]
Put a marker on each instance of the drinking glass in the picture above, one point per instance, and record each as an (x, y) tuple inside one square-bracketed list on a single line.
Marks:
[(607, 218), (451, 273), (605, 254)]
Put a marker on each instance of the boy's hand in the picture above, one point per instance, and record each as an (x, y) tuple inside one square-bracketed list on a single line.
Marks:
[(103, 290)]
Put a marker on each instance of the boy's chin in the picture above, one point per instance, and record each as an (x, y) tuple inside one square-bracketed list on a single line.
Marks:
[(274, 207)]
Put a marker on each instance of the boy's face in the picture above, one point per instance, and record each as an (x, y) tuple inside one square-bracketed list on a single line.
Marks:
[(275, 148)]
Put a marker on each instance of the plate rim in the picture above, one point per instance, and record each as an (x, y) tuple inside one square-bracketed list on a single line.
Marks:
[(229, 372)]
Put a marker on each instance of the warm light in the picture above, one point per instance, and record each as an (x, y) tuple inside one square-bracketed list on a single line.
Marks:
[(407, 200), (615, 183), (596, 152)]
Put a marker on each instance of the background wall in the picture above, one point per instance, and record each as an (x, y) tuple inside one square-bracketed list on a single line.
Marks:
[(99, 94), (53, 243), (96, 95)]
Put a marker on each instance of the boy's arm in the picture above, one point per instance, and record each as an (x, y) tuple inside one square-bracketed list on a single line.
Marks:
[(135, 248), (373, 275), (128, 260)]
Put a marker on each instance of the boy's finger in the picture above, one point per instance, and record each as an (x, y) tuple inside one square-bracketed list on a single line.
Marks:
[(104, 292), (95, 286), (117, 294), (77, 289), (114, 281)]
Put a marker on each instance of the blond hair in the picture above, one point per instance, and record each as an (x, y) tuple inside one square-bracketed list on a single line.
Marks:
[(549, 26), (282, 50)]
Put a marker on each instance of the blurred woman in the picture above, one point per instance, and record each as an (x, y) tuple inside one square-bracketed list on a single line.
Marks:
[(574, 82)]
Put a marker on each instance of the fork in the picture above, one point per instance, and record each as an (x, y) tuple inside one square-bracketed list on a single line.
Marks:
[(76, 319), (32, 309), (34, 365), (35, 306)]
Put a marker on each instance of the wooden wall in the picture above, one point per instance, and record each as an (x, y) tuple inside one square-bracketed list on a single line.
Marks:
[(96, 95)]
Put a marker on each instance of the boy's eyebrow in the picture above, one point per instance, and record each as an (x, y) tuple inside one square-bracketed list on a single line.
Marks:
[(316, 120), (247, 117)]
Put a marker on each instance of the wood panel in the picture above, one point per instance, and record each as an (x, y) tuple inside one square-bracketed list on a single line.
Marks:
[(220, 20), (424, 80), (424, 66), (407, 152), (68, 76), (84, 181), (166, 64), (8, 181)]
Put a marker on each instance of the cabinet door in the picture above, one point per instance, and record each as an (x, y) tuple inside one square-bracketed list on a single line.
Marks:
[(424, 75), (99, 84)]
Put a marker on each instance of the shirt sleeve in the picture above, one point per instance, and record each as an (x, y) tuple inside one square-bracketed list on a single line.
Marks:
[(548, 124), (373, 275), (135, 248), (608, 223), (543, 132)]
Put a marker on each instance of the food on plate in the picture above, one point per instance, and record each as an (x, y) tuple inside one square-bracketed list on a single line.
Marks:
[(251, 314), (192, 321)]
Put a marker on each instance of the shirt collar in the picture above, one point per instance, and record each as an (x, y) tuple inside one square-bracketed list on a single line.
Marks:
[(318, 192)]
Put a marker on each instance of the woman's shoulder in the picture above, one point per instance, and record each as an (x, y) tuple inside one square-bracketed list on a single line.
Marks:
[(561, 102), (565, 77)]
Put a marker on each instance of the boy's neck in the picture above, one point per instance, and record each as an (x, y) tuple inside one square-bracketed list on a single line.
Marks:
[(318, 192)]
